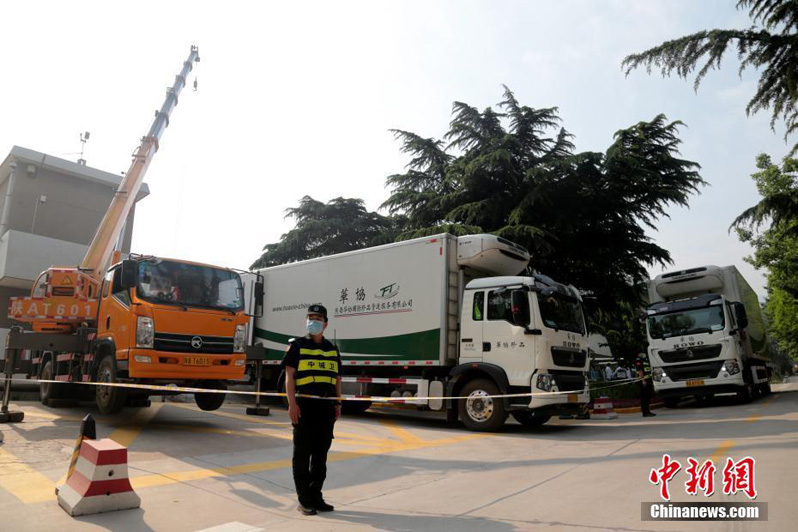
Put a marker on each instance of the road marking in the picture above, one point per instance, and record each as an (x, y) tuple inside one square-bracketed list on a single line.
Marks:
[(151, 480), (24, 482), (126, 434), (404, 435), (282, 424), (721, 451), (31, 486)]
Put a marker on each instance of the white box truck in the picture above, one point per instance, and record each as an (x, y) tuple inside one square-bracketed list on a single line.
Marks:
[(706, 335), (433, 317)]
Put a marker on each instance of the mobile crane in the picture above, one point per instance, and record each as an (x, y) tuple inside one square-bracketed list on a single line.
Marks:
[(142, 320)]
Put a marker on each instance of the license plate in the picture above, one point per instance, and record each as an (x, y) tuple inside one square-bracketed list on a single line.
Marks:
[(695, 382), (573, 398), (197, 361)]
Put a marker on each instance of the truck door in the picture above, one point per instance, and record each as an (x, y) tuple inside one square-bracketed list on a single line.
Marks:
[(471, 322), (504, 343), (115, 314)]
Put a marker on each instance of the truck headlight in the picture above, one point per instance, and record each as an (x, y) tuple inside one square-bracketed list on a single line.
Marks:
[(544, 382), (240, 339), (731, 367), (145, 332), (658, 374)]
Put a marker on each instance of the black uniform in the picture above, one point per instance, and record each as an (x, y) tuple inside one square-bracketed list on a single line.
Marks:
[(647, 389), (317, 371)]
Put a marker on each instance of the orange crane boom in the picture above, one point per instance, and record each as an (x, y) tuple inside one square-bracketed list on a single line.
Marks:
[(64, 297), (102, 245)]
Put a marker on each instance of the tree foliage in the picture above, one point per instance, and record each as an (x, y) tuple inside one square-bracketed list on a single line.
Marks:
[(341, 224), (514, 172), (776, 247), (770, 47)]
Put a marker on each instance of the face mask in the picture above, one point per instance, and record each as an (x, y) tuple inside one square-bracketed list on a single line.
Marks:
[(314, 327)]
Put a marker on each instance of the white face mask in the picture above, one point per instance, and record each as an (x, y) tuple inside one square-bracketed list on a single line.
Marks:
[(314, 327)]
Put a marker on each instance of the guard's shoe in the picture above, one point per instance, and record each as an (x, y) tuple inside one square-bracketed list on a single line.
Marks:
[(649, 414), (305, 510), (322, 506)]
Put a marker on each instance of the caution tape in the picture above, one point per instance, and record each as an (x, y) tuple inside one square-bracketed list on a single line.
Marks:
[(379, 399)]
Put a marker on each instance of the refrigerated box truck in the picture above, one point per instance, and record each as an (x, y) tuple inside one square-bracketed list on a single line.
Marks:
[(439, 316), (706, 335)]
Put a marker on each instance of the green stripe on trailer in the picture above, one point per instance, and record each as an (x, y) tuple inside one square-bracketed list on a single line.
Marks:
[(422, 345)]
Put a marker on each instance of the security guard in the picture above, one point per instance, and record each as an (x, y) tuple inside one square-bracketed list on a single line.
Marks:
[(312, 365), (646, 384)]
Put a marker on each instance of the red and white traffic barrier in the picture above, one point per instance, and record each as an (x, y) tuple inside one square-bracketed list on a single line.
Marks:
[(603, 409), (99, 482)]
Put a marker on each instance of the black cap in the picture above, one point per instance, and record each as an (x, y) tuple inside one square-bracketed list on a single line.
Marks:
[(318, 309)]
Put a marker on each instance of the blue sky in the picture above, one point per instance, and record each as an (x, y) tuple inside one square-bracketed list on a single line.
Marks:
[(297, 98)]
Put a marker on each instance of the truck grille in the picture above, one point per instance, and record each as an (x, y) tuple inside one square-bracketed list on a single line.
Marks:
[(704, 370), (193, 343), (569, 381), (699, 352), (568, 357)]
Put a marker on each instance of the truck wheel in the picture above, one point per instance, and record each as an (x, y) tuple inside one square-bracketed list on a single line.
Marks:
[(110, 400), (703, 399), (744, 394), (671, 402), (211, 401), (49, 390), (355, 407), (481, 412), (530, 418)]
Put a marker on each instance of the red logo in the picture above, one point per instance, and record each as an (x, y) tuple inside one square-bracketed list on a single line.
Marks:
[(664, 474)]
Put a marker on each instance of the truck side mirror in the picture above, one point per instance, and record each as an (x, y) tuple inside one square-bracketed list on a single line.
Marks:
[(520, 308), (258, 299), (740, 315), (129, 274)]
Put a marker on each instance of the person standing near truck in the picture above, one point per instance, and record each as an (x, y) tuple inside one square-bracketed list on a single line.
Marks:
[(646, 384), (312, 368)]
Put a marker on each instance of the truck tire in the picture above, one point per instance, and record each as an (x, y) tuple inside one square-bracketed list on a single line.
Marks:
[(49, 390), (704, 399), (480, 412), (355, 407), (671, 402), (744, 394), (211, 401), (110, 400), (530, 418)]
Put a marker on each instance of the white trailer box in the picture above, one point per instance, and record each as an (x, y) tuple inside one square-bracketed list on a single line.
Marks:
[(396, 310)]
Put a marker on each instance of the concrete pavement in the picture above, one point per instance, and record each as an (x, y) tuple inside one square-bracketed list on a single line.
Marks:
[(390, 470)]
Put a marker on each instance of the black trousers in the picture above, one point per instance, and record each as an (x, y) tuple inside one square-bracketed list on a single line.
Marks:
[(313, 436), (646, 391)]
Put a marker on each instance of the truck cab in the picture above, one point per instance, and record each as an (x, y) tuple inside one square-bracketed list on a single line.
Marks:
[(701, 340), (534, 330), (158, 321), (171, 319)]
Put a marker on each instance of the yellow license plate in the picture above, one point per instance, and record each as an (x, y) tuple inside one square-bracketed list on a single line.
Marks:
[(573, 398), (695, 382), (197, 361)]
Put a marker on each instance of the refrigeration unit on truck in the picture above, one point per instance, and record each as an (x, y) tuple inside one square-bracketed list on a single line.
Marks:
[(706, 335), (438, 316)]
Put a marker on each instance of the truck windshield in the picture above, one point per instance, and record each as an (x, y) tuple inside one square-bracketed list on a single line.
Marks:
[(693, 321), (559, 312), (191, 285)]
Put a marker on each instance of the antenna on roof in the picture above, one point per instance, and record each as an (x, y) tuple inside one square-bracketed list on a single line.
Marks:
[(84, 137)]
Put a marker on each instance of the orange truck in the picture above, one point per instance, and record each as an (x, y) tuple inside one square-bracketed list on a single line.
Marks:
[(143, 320)]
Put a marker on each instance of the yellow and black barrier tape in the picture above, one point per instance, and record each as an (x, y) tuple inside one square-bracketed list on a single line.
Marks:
[(372, 398)]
